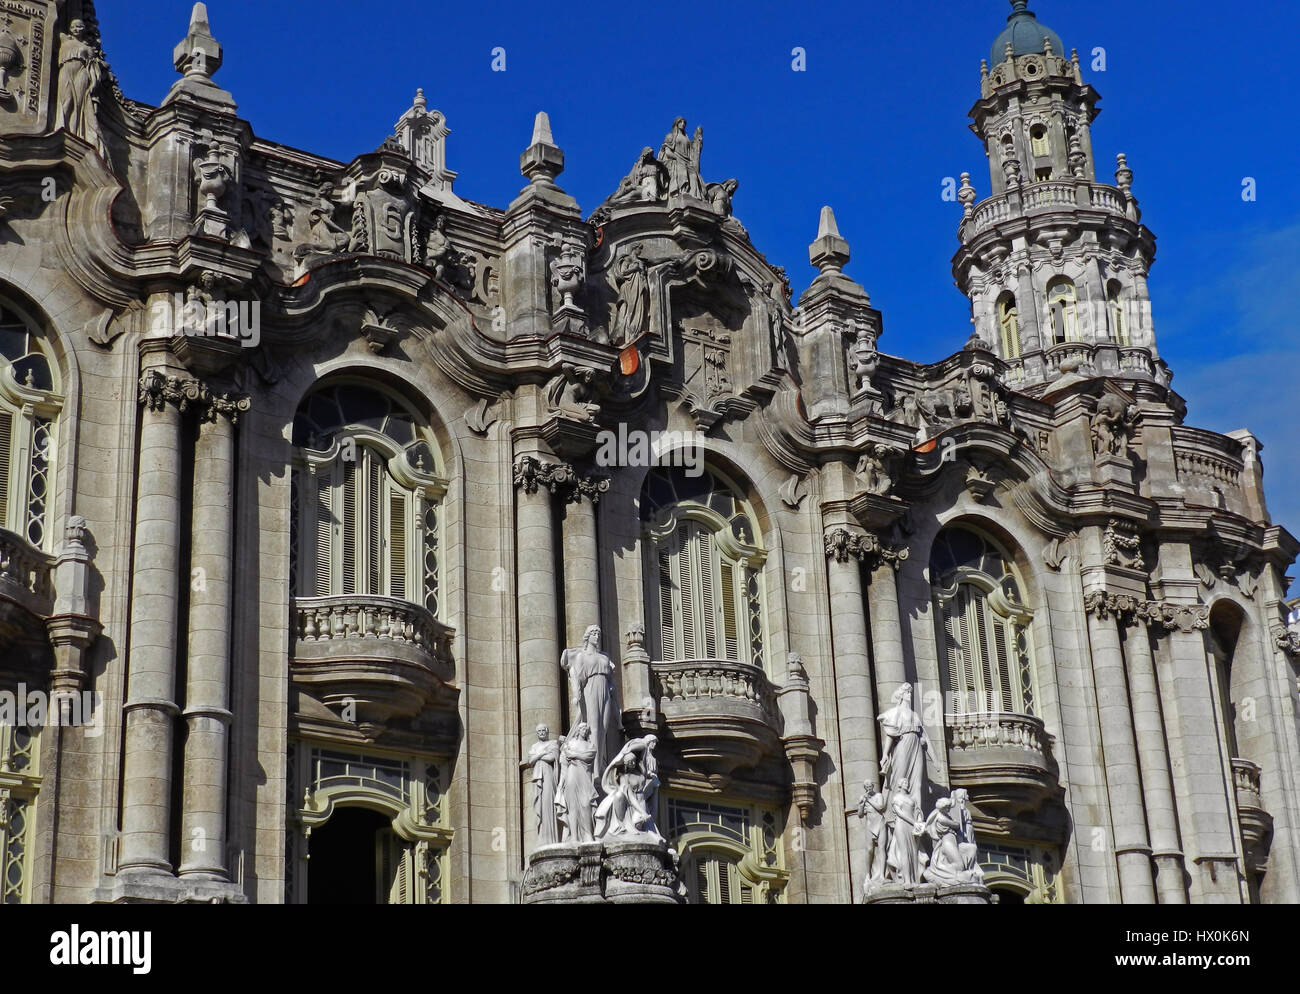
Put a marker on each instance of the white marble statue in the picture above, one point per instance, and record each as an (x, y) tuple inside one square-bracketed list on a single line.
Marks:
[(903, 859), (591, 692), (872, 806), (575, 800), (544, 758), (906, 746), (630, 782)]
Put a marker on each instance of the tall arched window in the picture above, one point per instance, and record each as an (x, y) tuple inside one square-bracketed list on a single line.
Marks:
[(1038, 143), (29, 406), (1009, 325), (1063, 308), (1118, 317), (366, 497), (704, 576), (982, 626)]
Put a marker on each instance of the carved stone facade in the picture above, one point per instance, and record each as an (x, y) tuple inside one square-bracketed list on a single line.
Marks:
[(308, 486)]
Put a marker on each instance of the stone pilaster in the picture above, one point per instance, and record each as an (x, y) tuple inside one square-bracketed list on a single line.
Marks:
[(578, 535), (1131, 843), (207, 695), (540, 693)]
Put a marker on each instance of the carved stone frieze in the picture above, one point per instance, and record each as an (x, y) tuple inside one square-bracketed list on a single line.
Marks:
[(1183, 617), (1122, 546)]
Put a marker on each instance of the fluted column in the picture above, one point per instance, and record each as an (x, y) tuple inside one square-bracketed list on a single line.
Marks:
[(854, 696), (1153, 758), (1123, 780), (207, 694), (149, 735)]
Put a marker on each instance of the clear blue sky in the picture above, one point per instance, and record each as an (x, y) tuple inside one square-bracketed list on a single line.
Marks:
[(1197, 93)]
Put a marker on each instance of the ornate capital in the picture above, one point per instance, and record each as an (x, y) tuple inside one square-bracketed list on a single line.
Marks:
[(1287, 641), (559, 478), (1183, 617), (1104, 604), (227, 405), (531, 473), (157, 390), (592, 486), (843, 545)]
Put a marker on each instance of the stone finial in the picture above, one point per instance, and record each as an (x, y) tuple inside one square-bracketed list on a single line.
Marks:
[(1123, 174), (199, 54), (829, 253), (967, 196), (542, 161)]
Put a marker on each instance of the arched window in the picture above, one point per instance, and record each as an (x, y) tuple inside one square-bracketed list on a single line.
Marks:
[(1038, 143), (29, 406), (704, 576), (1009, 325), (982, 626), (366, 498), (1118, 318), (1063, 307), (731, 854)]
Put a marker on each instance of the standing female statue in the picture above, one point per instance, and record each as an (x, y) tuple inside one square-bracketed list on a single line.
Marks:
[(575, 801), (591, 692), (906, 746), (81, 71)]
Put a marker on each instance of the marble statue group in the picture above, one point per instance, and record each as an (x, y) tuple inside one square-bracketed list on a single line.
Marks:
[(893, 812), (587, 787)]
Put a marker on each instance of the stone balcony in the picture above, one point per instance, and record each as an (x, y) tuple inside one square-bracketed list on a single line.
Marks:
[(1256, 822), (26, 600), (389, 657), (1003, 760), (720, 714), (1033, 199)]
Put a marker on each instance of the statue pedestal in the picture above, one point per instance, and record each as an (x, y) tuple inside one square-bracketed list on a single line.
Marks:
[(626, 869), (930, 894)]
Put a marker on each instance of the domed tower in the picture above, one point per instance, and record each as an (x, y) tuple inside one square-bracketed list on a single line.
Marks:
[(1055, 263)]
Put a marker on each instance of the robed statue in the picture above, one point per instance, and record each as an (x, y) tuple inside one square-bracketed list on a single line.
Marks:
[(575, 800), (630, 782), (591, 693), (544, 758)]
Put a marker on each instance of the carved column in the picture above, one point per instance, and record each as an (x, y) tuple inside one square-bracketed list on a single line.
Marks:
[(149, 735), (853, 689), (1153, 757), (581, 578), (539, 649), (1123, 780), (207, 694), (1031, 335)]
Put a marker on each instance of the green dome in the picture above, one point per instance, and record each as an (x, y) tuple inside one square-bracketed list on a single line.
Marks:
[(1025, 35)]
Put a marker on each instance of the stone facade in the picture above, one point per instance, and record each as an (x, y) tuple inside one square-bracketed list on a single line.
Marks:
[(313, 470)]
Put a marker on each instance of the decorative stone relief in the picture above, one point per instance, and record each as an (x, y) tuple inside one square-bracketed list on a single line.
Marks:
[(1112, 427), (572, 393), (793, 491), (377, 330), (327, 237), (1122, 546), (1183, 617), (226, 405), (843, 545), (1287, 641), (878, 469), (481, 417), (1104, 605), (1058, 550), (158, 389)]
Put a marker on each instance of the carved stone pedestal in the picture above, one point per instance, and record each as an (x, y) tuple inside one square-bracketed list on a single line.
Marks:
[(930, 894), (627, 870)]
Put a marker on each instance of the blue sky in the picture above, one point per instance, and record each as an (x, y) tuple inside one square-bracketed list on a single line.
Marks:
[(1196, 93)]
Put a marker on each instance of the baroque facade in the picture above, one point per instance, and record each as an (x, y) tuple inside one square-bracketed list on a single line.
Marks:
[(309, 505)]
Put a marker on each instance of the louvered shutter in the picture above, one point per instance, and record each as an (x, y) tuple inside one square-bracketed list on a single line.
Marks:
[(686, 592), (1006, 681), (324, 539), (373, 523), (397, 554), (705, 553), (6, 460), (729, 596), (350, 536), (667, 616)]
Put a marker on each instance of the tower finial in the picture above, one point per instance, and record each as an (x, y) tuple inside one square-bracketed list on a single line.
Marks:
[(829, 253), (542, 161), (199, 54), (1020, 6)]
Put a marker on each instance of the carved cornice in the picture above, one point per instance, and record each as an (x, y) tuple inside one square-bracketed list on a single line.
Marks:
[(158, 389), (843, 545)]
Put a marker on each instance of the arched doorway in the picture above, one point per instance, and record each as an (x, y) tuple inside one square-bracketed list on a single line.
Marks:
[(354, 859)]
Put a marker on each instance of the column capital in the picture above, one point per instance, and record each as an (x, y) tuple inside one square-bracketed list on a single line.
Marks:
[(843, 545), (1169, 616), (559, 478), (158, 389), (1287, 641), (1104, 604), (216, 405)]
